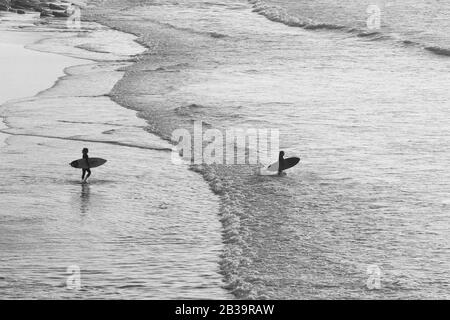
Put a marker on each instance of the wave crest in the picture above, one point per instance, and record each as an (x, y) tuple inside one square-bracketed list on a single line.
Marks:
[(278, 14), (439, 50), (281, 15)]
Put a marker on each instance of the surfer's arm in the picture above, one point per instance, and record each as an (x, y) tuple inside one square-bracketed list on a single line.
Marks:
[(86, 158)]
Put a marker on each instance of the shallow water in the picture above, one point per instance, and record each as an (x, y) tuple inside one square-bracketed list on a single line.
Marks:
[(368, 118), (141, 228)]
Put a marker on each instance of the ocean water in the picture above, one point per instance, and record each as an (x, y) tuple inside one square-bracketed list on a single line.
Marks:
[(142, 228), (424, 24), (366, 110)]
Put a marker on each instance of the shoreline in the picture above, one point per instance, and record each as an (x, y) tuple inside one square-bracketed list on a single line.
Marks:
[(235, 259), (120, 133), (235, 263), (288, 238), (370, 169), (48, 82), (23, 39)]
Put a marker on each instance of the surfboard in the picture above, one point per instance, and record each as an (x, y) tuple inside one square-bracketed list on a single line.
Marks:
[(93, 163), (288, 163)]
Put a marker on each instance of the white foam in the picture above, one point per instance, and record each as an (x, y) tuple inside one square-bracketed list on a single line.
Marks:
[(142, 228), (99, 44)]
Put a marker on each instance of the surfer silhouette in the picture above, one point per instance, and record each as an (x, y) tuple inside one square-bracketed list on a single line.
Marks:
[(281, 163), (88, 170)]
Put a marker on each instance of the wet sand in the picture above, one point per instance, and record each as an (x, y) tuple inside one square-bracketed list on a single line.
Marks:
[(33, 71), (141, 228)]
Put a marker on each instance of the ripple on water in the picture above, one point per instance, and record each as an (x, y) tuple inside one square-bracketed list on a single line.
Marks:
[(141, 228)]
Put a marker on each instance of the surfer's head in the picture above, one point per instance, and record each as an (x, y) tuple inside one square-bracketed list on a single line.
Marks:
[(85, 150), (282, 153)]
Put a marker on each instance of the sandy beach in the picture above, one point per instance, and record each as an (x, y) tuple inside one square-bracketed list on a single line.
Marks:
[(51, 222), (357, 91)]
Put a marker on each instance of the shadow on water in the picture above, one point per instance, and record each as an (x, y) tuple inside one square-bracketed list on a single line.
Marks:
[(83, 198)]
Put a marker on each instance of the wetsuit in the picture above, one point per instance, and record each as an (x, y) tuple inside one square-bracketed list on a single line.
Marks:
[(281, 164), (88, 171)]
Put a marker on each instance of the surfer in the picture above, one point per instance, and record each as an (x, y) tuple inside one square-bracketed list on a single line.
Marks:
[(281, 163), (88, 170)]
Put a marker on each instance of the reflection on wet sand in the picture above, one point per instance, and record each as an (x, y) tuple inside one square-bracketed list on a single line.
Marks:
[(85, 198), (111, 226)]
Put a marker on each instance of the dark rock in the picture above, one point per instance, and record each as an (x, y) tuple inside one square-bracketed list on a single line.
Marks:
[(26, 4), (5, 5), (57, 6), (60, 14), (45, 7), (46, 13)]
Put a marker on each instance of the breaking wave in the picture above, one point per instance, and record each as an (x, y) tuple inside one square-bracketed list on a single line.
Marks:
[(281, 15), (439, 51)]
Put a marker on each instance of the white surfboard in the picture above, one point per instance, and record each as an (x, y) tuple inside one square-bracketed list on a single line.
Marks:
[(288, 163)]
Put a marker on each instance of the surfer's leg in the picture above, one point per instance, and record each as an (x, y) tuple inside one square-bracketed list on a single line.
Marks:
[(84, 173), (88, 173)]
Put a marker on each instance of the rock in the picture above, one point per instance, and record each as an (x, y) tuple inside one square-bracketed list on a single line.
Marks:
[(45, 5), (47, 8), (25, 4), (5, 5), (46, 13), (60, 14), (57, 6)]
